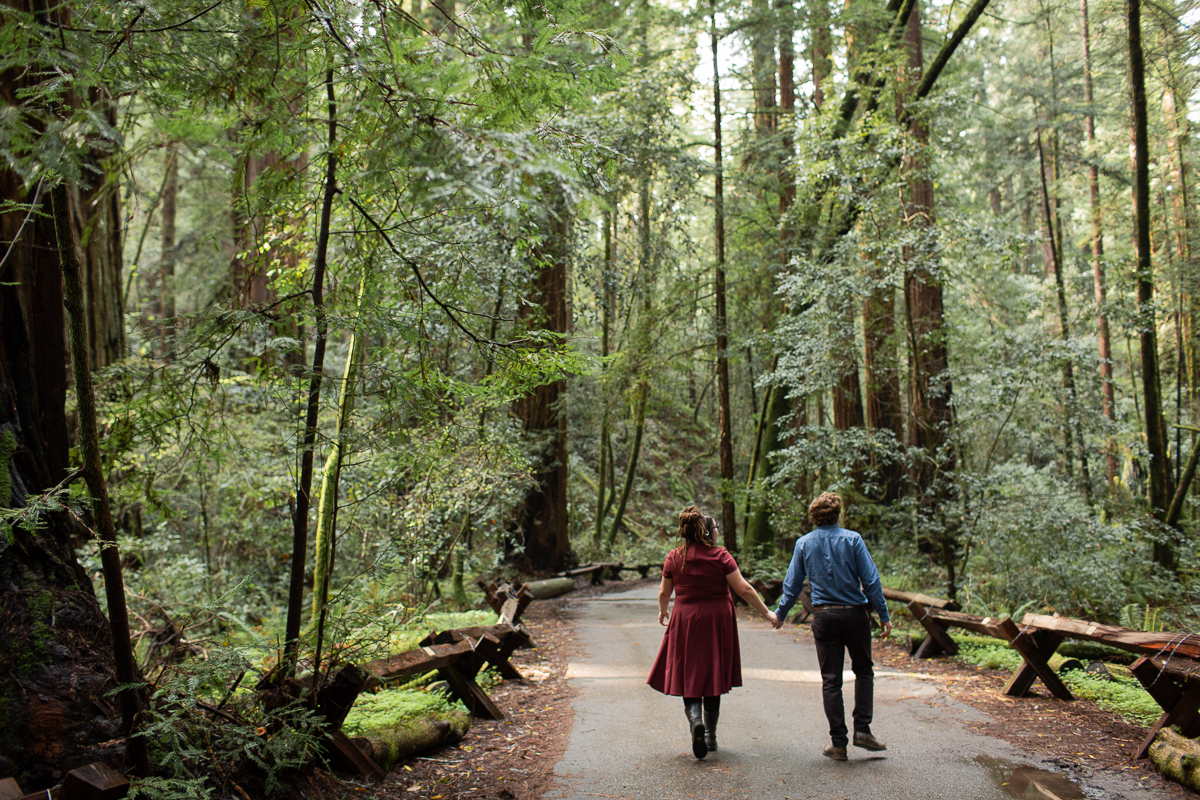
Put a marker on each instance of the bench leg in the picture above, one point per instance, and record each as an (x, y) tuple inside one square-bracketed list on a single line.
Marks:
[(1180, 703), (1036, 649), (474, 698), (936, 639)]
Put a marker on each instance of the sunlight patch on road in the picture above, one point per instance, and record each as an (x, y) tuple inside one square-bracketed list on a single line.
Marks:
[(624, 672)]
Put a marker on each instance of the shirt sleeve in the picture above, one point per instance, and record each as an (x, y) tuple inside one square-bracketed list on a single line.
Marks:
[(668, 573), (869, 575), (793, 583), (728, 562)]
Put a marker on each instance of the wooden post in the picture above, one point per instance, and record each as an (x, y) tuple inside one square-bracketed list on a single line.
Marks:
[(1036, 647), (1180, 703), (937, 640)]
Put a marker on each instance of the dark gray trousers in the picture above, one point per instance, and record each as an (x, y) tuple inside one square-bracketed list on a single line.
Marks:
[(836, 631)]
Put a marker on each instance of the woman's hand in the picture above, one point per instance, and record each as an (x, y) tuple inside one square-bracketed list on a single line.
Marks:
[(774, 619), (663, 618)]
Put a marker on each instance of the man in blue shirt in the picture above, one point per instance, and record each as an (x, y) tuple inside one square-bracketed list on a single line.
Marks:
[(843, 580)]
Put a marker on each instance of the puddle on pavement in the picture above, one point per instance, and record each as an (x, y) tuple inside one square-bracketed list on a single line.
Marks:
[(1030, 783)]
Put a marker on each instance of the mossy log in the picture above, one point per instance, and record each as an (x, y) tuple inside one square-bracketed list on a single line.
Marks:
[(1177, 758), (394, 743), (551, 587)]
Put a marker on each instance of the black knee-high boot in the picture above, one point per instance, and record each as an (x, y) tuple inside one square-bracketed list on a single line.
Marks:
[(693, 708), (712, 711)]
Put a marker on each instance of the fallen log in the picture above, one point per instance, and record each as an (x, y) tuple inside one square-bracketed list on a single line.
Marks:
[(1177, 758), (550, 587), (394, 743)]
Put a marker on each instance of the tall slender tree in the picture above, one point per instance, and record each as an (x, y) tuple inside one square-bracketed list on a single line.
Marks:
[(1156, 444)]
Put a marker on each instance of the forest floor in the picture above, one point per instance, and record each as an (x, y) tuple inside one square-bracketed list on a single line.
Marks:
[(515, 758)]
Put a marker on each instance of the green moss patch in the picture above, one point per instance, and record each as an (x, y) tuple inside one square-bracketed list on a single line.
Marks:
[(400, 723)]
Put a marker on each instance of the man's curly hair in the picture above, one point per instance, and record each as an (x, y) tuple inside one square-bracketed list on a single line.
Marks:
[(825, 510)]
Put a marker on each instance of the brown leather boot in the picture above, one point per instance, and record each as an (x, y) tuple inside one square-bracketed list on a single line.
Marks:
[(868, 742), (834, 752)]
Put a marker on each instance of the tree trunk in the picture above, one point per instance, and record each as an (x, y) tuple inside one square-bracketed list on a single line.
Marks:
[(641, 395), (1160, 489), (762, 57), (724, 416), (124, 665), (760, 536), (57, 658), (164, 310), (822, 49), (610, 221), (1068, 370), (95, 212), (1107, 400), (884, 409), (313, 407), (1176, 115), (331, 478), (544, 518), (929, 384)]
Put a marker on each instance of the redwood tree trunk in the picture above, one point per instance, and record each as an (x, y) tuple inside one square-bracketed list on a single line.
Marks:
[(544, 517), (57, 658), (884, 409), (929, 384)]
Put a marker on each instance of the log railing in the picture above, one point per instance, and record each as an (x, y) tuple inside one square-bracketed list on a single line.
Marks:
[(1168, 667)]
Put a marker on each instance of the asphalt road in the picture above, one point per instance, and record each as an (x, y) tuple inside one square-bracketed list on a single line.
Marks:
[(629, 741)]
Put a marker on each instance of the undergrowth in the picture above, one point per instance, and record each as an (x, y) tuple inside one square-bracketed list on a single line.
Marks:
[(1122, 695)]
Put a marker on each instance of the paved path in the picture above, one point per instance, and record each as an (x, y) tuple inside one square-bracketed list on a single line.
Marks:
[(629, 741)]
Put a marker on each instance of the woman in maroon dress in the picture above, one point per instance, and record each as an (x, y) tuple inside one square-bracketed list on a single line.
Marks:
[(699, 659)]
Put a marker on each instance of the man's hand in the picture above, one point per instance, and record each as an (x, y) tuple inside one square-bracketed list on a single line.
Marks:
[(886, 630), (775, 620), (664, 617)]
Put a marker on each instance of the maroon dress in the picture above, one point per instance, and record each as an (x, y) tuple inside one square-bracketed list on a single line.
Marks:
[(699, 655)]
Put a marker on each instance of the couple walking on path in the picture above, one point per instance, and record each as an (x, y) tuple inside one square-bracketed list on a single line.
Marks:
[(699, 659)]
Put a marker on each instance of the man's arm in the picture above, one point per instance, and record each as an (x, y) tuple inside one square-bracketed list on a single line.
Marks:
[(869, 576), (793, 583)]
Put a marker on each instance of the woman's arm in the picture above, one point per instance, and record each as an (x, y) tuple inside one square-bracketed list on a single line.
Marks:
[(664, 597), (746, 592)]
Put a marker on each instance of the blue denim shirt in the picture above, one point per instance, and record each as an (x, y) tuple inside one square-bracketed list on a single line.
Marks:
[(839, 569)]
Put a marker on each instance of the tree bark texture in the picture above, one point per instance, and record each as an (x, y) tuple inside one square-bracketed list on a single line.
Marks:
[(884, 406), (57, 657), (544, 516), (95, 213), (760, 535), (313, 406), (929, 383), (1107, 398), (762, 58), (164, 306), (331, 477), (1072, 430), (724, 416), (821, 48), (1160, 479), (124, 664)]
